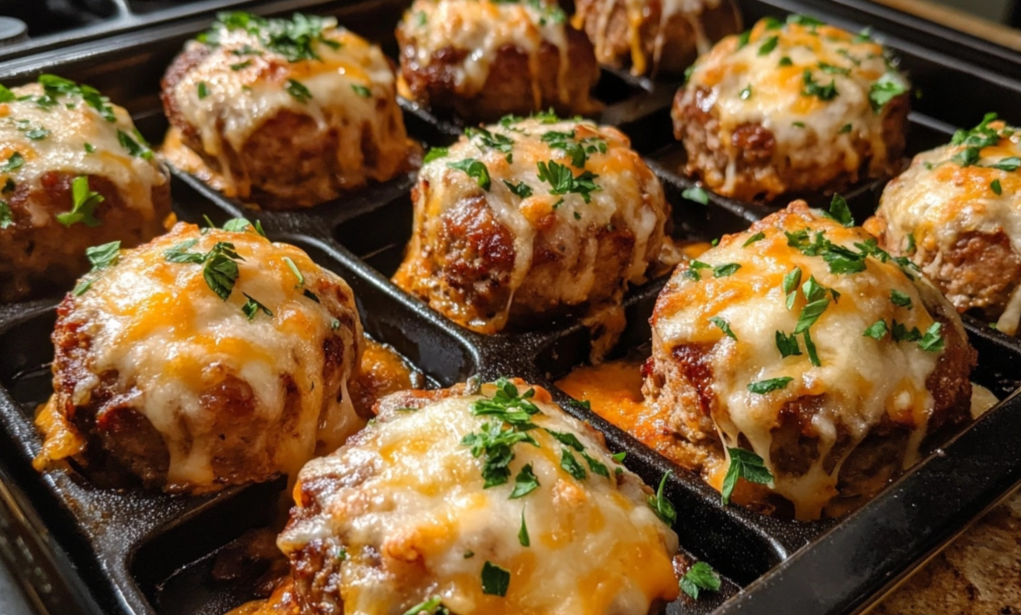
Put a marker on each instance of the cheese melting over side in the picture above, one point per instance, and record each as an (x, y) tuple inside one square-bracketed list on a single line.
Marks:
[(51, 136), (417, 522), (349, 90), (481, 28), (171, 340), (627, 191), (860, 381), (937, 200), (760, 78)]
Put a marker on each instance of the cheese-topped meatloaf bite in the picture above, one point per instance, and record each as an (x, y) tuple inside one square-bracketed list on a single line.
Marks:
[(492, 501), (802, 347), (482, 59), (790, 107), (526, 219), (201, 360), (655, 36), (74, 173), (285, 113), (956, 213)]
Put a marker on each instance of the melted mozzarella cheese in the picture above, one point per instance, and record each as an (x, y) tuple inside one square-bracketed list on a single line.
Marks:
[(406, 500), (68, 126), (749, 83), (626, 190), (937, 201), (171, 340), (860, 380), (349, 90), (481, 28)]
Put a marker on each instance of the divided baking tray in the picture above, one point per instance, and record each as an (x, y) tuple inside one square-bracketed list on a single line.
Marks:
[(78, 548)]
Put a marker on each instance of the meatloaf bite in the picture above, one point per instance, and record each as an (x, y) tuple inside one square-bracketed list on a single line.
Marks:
[(655, 36), (201, 360), (482, 59), (480, 502), (956, 212), (285, 113), (530, 218), (74, 173), (802, 348), (792, 107)]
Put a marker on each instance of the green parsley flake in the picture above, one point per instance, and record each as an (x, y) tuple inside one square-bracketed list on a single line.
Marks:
[(495, 580), (435, 153), (696, 194), (787, 345), (431, 606), (84, 203), (203, 90), (900, 299), (995, 187), (298, 91), (747, 465), (523, 538), (570, 464), (767, 386), (6, 215), (814, 88), (521, 189), (136, 146), (769, 45), (524, 483), (724, 326), (726, 270), (754, 238), (253, 307), (700, 577), (840, 212), (885, 89), (876, 330), (746, 93), (360, 90), (475, 169), (563, 181), (662, 506), (102, 257)]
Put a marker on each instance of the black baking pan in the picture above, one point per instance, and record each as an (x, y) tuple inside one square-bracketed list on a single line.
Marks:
[(84, 549)]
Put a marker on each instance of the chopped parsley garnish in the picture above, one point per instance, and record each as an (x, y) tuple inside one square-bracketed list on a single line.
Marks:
[(523, 538), (525, 482), (253, 307), (14, 162), (830, 69), (787, 345), (697, 194), (885, 89), (137, 146), (619, 457), (900, 299), (102, 257), (432, 606), (662, 506), (37, 134), (995, 187), (494, 441), (700, 577), (900, 333), (6, 95), (298, 91), (294, 269), (692, 271), (840, 212), (55, 86), (520, 189), (746, 93), (294, 38), (90, 148), (577, 151), (845, 128), (773, 384), (421, 19), (790, 286), (492, 140), (876, 330), (475, 169), (798, 124), (932, 341), (804, 20), (567, 438), (814, 88), (974, 140), (747, 465), (785, 61), (754, 238), (219, 265), (596, 466), (203, 90), (241, 65), (240, 225), (1006, 164), (84, 203), (360, 90), (563, 181), (570, 465), (495, 580), (743, 38), (6, 215), (435, 153), (911, 243), (544, 117), (769, 45), (724, 326), (726, 270)]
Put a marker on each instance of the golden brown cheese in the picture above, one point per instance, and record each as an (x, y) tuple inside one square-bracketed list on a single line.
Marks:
[(345, 84), (817, 89), (622, 194), (54, 129), (170, 339), (405, 502), (967, 188), (734, 302)]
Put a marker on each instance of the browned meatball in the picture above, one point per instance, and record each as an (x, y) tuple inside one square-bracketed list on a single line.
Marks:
[(202, 360), (283, 122), (803, 344), (788, 108), (482, 59), (655, 36), (74, 174), (500, 243)]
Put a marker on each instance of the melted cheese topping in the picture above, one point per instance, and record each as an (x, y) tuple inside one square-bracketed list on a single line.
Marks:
[(418, 506), (628, 193), (171, 340), (937, 201), (481, 28), (860, 381), (67, 125), (349, 91), (749, 83), (637, 14)]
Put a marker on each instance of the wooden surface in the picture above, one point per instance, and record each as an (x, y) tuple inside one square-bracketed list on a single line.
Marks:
[(959, 20)]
